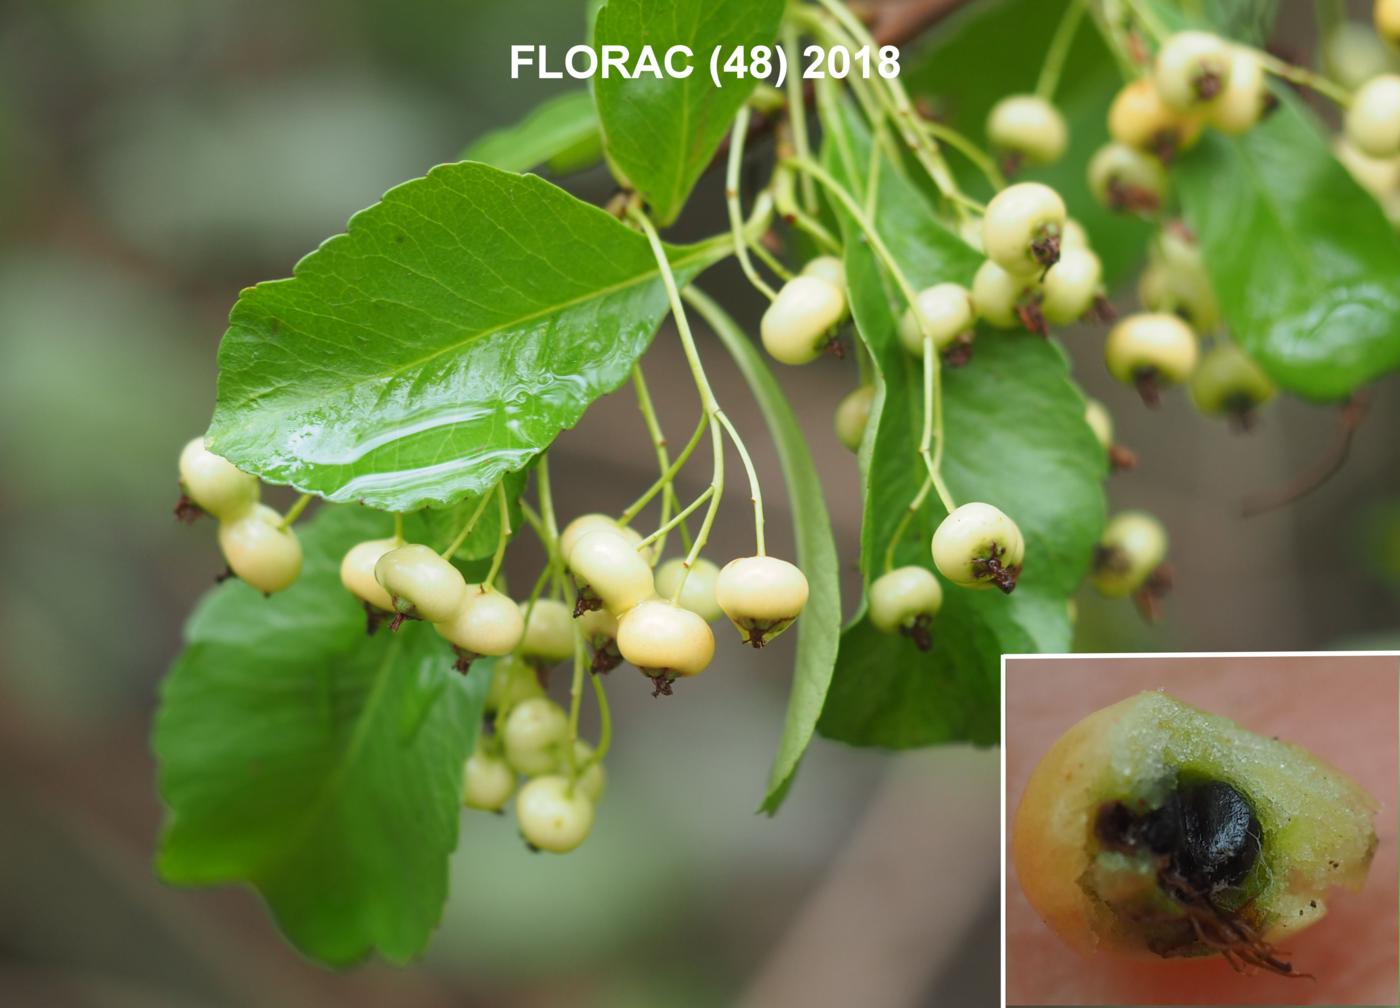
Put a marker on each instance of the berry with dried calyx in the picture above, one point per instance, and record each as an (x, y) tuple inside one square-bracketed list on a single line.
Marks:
[(1072, 288), (1126, 180), (488, 781), (609, 572), (593, 522), (1140, 119), (260, 551), (213, 484), (422, 584), (1373, 117), (1006, 300), (1027, 128), (357, 572), (1130, 558), (665, 642), (599, 629), (978, 546), (905, 601), (1193, 69), (1227, 382), (797, 326), (553, 815), (1100, 421), (532, 733), (942, 313), (698, 592), (1021, 228), (761, 595), (853, 416), (1149, 351), (485, 623), (549, 632)]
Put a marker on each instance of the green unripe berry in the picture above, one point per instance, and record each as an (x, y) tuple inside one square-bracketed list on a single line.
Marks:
[(1029, 127), (215, 484), (606, 564), (698, 592), (978, 546), (486, 623), (532, 733), (549, 632), (761, 595), (1126, 180), (1021, 228), (1193, 69), (488, 781), (421, 583), (797, 325), (261, 552), (942, 312), (664, 640), (357, 572), (1227, 382), (905, 600), (1133, 546), (853, 416), (1373, 117), (552, 815)]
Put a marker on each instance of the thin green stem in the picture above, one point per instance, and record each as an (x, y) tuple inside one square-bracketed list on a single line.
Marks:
[(771, 261), (1058, 50), (294, 512), (667, 475), (737, 134), (1149, 20), (755, 490), (933, 423), (679, 519), (797, 115), (466, 530), (703, 536), (904, 520), (979, 158), (604, 722), (575, 703), (502, 540), (398, 527), (1111, 31), (1324, 86), (658, 441)]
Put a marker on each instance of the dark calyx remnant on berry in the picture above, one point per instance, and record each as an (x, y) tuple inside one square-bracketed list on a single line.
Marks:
[(1029, 313), (463, 664), (835, 347), (1121, 458), (1126, 198), (990, 568), (1149, 388), (606, 657), (588, 601), (918, 631), (1045, 248), (1241, 411), (661, 681), (1205, 838), (187, 510), (373, 617), (1207, 85), (959, 352)]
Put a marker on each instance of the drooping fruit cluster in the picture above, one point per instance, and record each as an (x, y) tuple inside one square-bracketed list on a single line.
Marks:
[(258, 546)]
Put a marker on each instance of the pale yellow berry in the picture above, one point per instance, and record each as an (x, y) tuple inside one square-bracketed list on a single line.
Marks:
[(797, 326), (698, 591), (1133, 545), (1029, 126), (488, 781), (486, 623), (261, 552), (215, 484), (663, 639), (1373, 117), (421, 583), (1021, 228), (761, 595), (979, 546), (1192, 69), (853, 416), (941, 313), (553, 815), (357, 572), (549, 631)]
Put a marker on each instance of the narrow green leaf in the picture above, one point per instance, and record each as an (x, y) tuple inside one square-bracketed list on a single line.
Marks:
[(1016, 438), (561, 133), (321, 766), (448, 337), (1305, 266), (818, 629), (661, 133)]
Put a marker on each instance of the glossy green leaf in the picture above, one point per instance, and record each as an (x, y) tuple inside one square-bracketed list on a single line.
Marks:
[(448, 337), (819, 628), (1306, 268), (662, 133), (950, 70), (437, 527), (1016, 438), (321, 766), (561, 133)]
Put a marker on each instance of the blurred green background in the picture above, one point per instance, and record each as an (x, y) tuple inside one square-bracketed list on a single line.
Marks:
[(156, 157)]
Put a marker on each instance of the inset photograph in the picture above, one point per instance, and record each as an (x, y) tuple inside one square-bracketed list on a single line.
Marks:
[(1201, 829)]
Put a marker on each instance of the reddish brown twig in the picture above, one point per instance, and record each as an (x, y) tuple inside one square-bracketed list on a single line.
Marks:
[(1352, 414)]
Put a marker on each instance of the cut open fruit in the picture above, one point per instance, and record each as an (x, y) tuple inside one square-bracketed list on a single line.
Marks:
[(1152, 828)]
